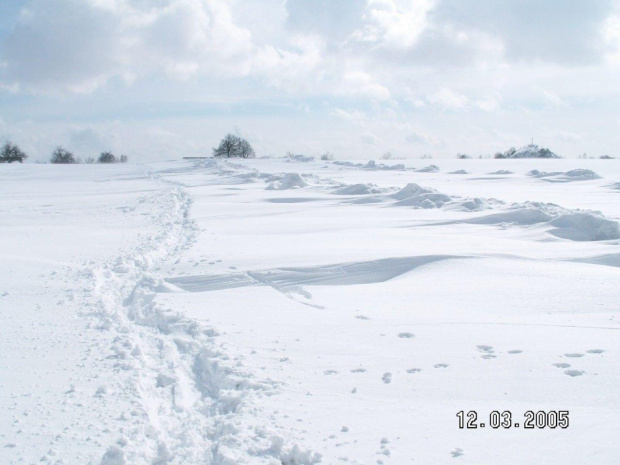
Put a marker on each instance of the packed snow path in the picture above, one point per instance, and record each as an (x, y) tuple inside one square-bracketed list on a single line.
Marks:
[(289, 311)]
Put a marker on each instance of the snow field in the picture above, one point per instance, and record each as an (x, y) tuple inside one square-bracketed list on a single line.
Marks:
[(296, 311)]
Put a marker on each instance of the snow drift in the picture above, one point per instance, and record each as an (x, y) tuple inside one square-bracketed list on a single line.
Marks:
[(288, 181)]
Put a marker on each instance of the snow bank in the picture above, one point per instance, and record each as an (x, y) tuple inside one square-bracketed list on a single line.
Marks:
[(459, 172), (502, 172), (288, 181)]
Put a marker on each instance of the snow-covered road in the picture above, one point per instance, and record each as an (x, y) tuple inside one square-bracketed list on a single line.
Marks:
[(281, 311)]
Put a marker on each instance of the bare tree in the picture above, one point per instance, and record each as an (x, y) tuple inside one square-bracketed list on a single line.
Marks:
[(61, 155), (228, 147), (233, 146), (107, 157), (245, 149), (11, 152)]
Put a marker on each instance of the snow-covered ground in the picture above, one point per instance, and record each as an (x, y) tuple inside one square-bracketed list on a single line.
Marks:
[(281, 311)]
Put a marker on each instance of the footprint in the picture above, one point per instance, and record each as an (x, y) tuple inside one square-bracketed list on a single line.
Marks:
[(405, 335), (330, 372), (516, 351), (573, 355), (441, 365), (487, 351), (561, 365), (457, 452), (574, 373), (358, 370), (414, 370), (387, 377), (595, 351), (362, 317)]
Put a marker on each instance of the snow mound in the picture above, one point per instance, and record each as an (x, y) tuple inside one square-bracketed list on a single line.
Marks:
[(525, 216), (502, 172), (288, 181), (359, 189), (428, 169), (410, 190), (615, 186), (459, 172), (348, 163), (578, 174), (473, 205), (412, 195), (398, 167), (574, 225), (543, 174), (581, 174), (585, 226), (530, 151)]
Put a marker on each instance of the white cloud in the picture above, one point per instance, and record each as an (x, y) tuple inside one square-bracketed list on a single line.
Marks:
[(447, 99), (393, 23), (78, 46), (358, 83)]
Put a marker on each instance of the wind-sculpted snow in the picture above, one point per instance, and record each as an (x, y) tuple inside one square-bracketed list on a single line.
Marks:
[(180, 313), (292, 280), (359, 189), (562, 223), (584, 226), (299, 158), (286, 181), (428, 169), (568, 176)]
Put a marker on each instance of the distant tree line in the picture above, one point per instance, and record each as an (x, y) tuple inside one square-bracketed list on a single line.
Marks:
[(60, 155), (11, 152)]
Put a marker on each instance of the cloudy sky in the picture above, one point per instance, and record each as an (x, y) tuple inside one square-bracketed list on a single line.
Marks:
[(158, 79)]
